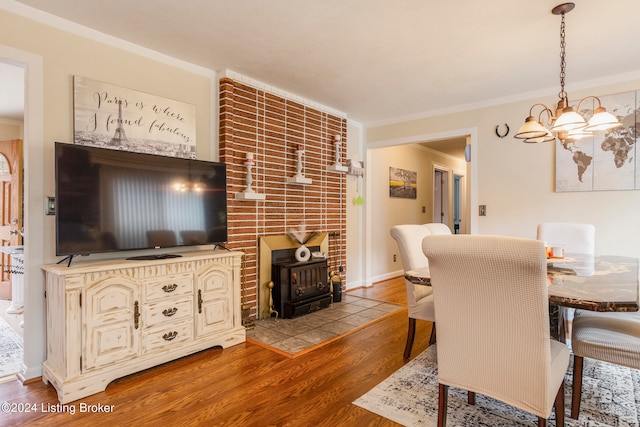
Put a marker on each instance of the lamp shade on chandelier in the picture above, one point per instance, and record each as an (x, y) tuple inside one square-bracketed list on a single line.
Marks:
[(567, 124)]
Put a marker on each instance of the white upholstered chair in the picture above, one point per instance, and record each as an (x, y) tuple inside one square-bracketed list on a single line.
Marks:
[(610, 337), (419, 298), (493, 323), (575, 237)]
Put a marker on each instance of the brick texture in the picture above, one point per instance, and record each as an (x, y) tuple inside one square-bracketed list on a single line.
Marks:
[(272, 127)]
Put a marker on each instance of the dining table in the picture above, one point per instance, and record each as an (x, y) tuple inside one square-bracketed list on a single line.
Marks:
[(581, 281)]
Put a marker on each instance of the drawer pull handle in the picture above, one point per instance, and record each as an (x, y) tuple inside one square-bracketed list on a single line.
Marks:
[(169, 288), (136, 314), (170, 311), (170, 336), (200, 301)]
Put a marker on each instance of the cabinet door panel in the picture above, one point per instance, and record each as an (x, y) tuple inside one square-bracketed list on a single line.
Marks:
[(215, 316), (109, 333), (213, 299)]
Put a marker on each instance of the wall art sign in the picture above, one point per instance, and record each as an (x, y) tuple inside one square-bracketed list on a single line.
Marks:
[(403, 183), (606, 160), (123, 119)]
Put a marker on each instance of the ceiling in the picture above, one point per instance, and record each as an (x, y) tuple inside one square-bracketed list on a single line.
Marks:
[(381, 60)]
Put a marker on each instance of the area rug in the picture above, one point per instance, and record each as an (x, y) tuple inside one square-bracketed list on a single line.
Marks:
[(610, 397), (298, 336), (11, 350)]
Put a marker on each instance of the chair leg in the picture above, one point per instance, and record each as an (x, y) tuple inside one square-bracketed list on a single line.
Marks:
[(560, 406), (411, 333), (577, 386), (542, 422), (443, 391), (471, 397), (432, 337)]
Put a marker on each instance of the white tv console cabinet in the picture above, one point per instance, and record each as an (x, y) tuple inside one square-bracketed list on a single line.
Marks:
[(111, 318)]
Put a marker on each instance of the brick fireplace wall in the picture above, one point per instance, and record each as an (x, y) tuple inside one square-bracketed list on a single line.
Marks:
[(272, 127)]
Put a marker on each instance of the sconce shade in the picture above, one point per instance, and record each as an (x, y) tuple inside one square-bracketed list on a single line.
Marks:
[(569, 120), (548, 137), (602, 120), (531, 129)]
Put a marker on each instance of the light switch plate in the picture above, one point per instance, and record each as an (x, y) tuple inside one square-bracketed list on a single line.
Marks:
[(50, 206), (482, 211)]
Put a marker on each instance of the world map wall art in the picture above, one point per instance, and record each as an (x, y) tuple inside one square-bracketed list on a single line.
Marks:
[(607, 160)]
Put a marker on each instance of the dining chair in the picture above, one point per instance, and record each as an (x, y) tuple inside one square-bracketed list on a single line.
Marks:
[(161, 238), (193, 237), (493, 323), (419, 298), (575, 237), (612, 337)]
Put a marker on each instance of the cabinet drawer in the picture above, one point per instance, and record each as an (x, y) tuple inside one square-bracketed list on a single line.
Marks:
[(167, 311), (169, 286), (167, 337)]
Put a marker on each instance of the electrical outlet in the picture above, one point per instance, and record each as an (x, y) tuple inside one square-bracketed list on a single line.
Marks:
[(424, 209), (482, 211), (395, 258)]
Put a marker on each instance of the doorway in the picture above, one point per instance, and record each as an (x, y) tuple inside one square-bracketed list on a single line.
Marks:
[(441, 196), (458, 204), (12, 271)]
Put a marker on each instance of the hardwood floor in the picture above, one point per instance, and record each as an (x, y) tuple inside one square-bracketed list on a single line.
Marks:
[(244, 385)]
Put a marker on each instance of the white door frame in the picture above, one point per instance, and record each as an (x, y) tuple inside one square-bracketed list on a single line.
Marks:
[(472, 187), (34, 200)]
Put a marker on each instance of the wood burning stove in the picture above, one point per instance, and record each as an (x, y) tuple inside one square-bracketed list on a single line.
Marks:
[(299, 287)]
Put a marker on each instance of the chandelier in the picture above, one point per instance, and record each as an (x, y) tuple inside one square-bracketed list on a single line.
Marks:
[(566, 124)]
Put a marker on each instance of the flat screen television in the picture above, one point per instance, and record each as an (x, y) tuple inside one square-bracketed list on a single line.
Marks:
[(110, 200)]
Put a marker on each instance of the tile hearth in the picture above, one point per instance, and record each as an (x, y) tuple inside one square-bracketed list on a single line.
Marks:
[(302, 333)]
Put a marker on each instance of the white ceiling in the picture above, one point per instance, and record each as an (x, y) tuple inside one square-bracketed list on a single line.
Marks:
[(379, 60)]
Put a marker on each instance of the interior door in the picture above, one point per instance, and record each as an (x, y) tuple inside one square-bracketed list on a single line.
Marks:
[(441, 196), (11, 206)]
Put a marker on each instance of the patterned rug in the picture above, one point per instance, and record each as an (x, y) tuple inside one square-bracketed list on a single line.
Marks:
[(11, 350), (610, 397)]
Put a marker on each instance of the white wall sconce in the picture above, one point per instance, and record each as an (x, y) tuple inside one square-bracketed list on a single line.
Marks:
[(337, 166), (249, 193), (299, 177)]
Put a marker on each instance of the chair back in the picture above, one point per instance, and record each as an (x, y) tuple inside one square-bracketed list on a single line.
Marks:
[(161, 238), (576, 238), (409, 239), (493, 317), (437, 228), (193, 237)]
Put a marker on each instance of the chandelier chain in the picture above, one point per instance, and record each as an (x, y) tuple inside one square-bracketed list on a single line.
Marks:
[(563, 63)]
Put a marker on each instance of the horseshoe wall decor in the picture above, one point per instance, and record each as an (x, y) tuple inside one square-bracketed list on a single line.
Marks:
[(506, 132)]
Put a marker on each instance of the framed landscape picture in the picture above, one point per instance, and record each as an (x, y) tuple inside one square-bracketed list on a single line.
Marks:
[(403, 183)]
